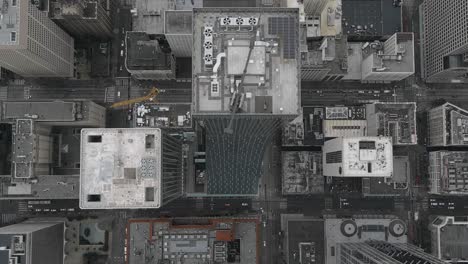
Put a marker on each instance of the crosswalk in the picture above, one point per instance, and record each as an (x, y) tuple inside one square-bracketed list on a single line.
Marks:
[(22, 207), (184, 80), (425, 204), (3, 93), (399, 203), (110, 95), (27, 92), (328, 203)]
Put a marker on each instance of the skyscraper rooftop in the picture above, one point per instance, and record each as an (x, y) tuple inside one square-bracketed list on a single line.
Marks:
[(246, 58)]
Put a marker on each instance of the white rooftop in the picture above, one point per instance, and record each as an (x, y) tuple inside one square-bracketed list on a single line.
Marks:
[(360, 157), (120, 168)]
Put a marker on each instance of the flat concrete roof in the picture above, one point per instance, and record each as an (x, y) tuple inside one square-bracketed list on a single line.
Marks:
[(66, 113), (162, 115), (144, 53), (178, 22), (40, 111), (397, 185), (120, 168), (150, 15), (302, 229), (396, 120), (450, 238), (220, 56), (397, 55)]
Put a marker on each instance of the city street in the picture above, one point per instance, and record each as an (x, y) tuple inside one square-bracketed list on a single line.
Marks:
[(270, 202)]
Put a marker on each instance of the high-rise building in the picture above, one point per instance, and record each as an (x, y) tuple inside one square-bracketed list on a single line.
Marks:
[(449, 238), (448, 172), (178, 32), (395, 120), (33, 242), (377, 252), (371, 240), (147, 57), (444, 41), (31, 44), (358, 157), (32, 121), (334, 58), (193, 240), (129, 168), (32, 149), (246, 79), (447, 126), (82, 18), (78, 113), (392, 61)]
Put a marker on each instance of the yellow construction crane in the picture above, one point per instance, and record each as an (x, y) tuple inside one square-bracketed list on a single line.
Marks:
[(149, 97)]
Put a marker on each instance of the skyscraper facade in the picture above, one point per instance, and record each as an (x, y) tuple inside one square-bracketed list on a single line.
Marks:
[(31, 45), (82, 18), (377, 252), (444, 40)]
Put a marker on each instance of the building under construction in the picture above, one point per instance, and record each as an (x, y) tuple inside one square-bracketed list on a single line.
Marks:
[(245, 82)]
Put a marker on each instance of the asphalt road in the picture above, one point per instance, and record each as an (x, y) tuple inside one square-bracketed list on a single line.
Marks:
[(124, 24), (269, 201)]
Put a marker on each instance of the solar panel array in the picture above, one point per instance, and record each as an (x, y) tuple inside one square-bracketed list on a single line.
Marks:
[(287, 28)]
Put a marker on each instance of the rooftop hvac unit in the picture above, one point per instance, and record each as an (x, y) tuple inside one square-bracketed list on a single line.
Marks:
[(208, 45), (208, 32), (214, 88), (208, 59), (225, 21), (238, 21)]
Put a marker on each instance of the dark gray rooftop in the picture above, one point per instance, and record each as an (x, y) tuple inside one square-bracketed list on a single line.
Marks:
[(378, 16), (454, 242), (178, 22), (306, 230), (144, 53)]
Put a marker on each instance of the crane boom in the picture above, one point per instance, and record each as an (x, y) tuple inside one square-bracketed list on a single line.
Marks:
[(151, 95), (237, 104)]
